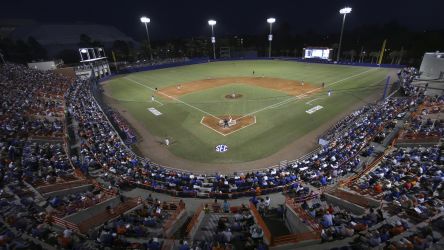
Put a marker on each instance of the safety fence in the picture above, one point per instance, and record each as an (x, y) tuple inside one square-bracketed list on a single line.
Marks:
[(296, 238), (217, 195), (302, 214), (352, 179), (173, 216), (314, 234), (64, 223), (62, 185), (261, 223), (194, 220), (357, 199)]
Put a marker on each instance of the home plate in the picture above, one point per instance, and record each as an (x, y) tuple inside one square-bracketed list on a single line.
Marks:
[(154, 111)]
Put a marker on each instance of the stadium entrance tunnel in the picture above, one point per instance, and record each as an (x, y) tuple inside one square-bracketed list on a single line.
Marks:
[(227, 124)]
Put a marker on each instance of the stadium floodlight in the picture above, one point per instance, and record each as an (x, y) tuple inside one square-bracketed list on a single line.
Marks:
[(212, 22), (270, 20), (145, 20), (83, 50), (343, 11)]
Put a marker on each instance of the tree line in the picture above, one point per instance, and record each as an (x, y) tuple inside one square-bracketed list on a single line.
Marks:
[(362, 44)]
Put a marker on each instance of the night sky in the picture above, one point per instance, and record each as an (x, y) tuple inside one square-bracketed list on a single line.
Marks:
[(173, 19)]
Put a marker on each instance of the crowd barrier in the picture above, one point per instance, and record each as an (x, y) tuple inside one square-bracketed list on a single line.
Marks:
[(172, 219), (303, 215), (295, 238), (214, 195), (65, 224), (194, 220)]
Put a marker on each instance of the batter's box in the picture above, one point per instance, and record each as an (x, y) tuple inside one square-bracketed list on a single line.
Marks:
[(228, 124)]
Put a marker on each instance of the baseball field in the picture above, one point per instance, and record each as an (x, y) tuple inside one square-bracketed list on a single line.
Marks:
[(238, 111)]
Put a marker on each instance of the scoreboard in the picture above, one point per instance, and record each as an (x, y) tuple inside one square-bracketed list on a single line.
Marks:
[(318, 53)]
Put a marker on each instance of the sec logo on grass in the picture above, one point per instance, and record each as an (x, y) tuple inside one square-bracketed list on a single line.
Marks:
[(221, 148)]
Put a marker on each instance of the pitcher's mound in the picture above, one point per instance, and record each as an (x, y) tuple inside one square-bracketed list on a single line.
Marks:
[(226, 124), (233, 96)]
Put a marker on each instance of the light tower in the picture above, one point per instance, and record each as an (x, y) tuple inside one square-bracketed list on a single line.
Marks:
[(343, 11), (145, 20), (213, 38), (270, 20)]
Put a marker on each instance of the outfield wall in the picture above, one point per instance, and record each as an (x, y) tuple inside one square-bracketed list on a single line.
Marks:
[(206, 60)]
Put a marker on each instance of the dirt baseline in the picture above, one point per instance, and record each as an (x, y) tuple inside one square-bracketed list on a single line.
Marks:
[(240, 122), (291, 87)]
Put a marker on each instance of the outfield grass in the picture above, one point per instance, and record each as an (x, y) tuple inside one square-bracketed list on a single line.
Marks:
[(275, 127)]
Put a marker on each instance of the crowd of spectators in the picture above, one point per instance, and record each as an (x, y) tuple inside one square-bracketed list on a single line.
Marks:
[(406, 76), (229, 228), (100, 144), (143, 223), (33, 104), (122, 125), (63, 205), (410, 178), (427, 121)]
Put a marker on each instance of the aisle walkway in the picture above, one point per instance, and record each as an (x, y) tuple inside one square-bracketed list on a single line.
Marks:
[(193, 203)]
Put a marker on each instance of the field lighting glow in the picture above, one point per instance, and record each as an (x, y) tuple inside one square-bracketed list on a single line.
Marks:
[(145, 19), (345, 10)]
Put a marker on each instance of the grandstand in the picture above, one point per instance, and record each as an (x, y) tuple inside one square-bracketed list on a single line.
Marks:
[(70, 179), (147, 126)]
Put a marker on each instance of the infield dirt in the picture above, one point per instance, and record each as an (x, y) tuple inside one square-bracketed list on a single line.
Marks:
[(290, 87), (215, 124)]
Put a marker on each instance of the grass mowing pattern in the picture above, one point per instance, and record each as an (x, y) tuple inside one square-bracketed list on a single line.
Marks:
[(275, 127)]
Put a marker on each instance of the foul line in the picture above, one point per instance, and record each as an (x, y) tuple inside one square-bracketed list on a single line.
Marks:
[(309, 102), (259, 110), (301, 95), (161, 104), (201, 122), (160, 92)]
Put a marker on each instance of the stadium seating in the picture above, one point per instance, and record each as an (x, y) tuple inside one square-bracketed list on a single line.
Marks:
[(37, 166)]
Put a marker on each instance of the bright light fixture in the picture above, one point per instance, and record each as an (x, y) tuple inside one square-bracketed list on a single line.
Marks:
[(83, 51), (145, 19), (271, 20), (345, 10), (212, 22)]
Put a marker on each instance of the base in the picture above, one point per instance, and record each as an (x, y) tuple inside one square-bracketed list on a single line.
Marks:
[(235, 123)]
